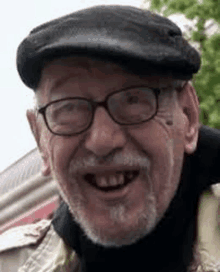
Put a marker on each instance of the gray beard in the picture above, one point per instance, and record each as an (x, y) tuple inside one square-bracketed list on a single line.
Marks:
[(119, 214), (146, 217)]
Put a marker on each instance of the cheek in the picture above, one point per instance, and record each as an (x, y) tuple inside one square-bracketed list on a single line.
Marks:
[(157, 144), (60, 151), (162, 145)]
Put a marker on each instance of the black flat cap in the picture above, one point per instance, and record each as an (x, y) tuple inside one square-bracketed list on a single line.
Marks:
[(134, 38)]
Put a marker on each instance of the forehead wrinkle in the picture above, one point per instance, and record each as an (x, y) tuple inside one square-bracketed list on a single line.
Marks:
[(53, 76), (49, 85), (56, 83)]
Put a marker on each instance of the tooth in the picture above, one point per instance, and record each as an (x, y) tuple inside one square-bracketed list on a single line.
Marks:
[(101, 181), (113, 180), (121, 179)]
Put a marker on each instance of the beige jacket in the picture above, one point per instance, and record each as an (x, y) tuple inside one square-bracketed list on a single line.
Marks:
[(209, 229), (38, 248)]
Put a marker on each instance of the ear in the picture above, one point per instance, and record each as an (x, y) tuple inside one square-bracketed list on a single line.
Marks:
[(189, 103), (36, 130)]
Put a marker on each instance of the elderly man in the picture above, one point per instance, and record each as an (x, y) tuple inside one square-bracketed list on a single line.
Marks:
[(117, 125)]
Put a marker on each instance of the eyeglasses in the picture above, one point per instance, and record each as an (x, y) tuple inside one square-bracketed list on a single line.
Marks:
[(74, 115)]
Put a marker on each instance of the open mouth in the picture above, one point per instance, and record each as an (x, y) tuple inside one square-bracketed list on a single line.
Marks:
[(111, 182)]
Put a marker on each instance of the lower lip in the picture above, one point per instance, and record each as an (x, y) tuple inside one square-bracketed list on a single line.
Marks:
[(116, 194)]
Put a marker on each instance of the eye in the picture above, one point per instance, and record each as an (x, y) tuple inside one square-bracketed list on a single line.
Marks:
[(62, 109), (133, 99), (67, 107)]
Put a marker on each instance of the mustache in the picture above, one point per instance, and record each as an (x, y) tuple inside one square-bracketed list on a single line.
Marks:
[(127, 160)]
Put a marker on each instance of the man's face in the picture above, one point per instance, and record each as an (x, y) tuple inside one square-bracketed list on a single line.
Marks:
[(111, 153)]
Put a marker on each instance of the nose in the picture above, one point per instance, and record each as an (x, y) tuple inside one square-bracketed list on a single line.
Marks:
[(104, 136)]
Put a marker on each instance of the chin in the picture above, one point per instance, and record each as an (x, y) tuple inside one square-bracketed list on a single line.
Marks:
[(121, 228)]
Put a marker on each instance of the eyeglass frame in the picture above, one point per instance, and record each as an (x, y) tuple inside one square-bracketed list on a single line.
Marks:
[(94, 105)]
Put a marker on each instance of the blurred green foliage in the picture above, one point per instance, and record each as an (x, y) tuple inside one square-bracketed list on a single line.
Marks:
[(205, 15)]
